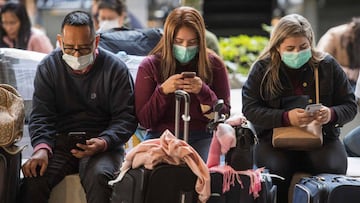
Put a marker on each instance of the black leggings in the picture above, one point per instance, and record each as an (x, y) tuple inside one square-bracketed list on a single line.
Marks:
[(331, 158)]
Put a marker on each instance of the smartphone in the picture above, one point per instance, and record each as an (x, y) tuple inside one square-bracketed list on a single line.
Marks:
[(77, 137), (312, 108), (188, 74)]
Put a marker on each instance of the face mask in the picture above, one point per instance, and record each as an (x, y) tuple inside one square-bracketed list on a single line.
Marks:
[(185, 54), (296, 59), (78, 63), (108, 24)]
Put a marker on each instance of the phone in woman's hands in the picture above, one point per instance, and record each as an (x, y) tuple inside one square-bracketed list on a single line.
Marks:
[(188, 74), (312, 108)]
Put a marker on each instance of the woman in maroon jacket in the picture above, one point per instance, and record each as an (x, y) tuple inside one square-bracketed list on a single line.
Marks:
[(181, 49)]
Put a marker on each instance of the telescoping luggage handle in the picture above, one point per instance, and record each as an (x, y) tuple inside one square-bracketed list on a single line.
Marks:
[(217, 108), (181, 94)]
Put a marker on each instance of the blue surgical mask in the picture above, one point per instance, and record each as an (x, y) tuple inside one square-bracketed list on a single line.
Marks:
[(185, 54), (296, 59), (78, 63)]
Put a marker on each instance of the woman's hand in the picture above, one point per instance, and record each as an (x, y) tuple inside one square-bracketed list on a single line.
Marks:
[(323, 116), (178, 82), (299, 117), (172, 84), (192, 85)]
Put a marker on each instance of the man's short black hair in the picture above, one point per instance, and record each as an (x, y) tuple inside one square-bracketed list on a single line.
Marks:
[(78, 18)]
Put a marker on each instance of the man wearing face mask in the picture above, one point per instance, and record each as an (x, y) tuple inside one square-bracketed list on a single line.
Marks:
[(181, 49), (83, 113)]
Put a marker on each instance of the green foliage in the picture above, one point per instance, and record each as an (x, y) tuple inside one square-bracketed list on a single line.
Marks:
[(241, 50)]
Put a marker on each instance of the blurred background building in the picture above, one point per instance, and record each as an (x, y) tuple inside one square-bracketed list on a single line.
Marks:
[(224, 18)]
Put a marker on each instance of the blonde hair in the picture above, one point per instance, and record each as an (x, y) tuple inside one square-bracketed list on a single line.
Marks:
[(292, 25), (183, 17)]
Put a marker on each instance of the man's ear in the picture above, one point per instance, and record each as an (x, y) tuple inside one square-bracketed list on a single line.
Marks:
[(59, 40)]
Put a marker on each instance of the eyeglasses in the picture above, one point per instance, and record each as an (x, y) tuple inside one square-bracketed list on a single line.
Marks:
[(82, 50)]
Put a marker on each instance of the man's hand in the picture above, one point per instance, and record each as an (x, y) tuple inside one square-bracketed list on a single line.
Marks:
[(93, 146), (38, 159)]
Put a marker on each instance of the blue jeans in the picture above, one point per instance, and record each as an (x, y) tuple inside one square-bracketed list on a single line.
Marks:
[(352, 142), (199, 140)]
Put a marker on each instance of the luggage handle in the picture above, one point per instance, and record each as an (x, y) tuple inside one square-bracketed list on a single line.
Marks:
[(218, 118), (217, 108), (181, 94)]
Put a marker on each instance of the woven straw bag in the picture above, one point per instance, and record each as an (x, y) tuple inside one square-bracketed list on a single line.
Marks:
[(12, 114)]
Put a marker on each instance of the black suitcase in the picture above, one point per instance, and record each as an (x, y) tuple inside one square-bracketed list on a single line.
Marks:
[(10, 165), (327, 188), (165, 183), (239, 194)]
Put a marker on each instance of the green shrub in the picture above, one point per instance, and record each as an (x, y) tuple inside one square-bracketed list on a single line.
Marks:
[(242, 50)]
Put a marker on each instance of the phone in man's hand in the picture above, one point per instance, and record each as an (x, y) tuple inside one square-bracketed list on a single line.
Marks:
[(188, 74), (76, 137)]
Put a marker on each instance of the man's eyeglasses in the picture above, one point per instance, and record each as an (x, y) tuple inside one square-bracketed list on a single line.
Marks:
[(82, 50)]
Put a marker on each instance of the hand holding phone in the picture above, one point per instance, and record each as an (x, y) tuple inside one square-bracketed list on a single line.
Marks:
[(188, 74), (77, 137), (312, 108)]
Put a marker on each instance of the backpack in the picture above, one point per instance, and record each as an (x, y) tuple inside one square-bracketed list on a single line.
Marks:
[(132, 41)]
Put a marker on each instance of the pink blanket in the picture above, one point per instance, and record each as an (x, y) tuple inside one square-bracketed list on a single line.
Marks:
[(168, 149)]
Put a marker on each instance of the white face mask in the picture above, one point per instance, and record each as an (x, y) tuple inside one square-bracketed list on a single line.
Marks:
[(78, 63), (108, 24)]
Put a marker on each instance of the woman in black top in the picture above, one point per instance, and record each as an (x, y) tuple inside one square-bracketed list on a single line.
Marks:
[(280, 85)]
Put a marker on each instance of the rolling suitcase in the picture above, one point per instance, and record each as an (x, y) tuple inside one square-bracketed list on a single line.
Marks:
[(10, 164), (327, 188), (165, 183)]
